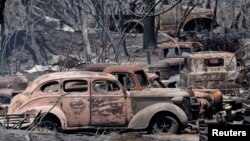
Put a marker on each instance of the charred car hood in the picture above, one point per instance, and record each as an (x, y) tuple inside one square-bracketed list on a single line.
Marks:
[(160, 92)]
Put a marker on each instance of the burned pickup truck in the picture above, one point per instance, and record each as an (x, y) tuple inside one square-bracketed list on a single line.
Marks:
[(213, 69), (83, 100), (194, 18), (209, 100)]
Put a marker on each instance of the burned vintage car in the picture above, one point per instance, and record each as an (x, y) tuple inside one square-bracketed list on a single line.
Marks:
[(214, 70), (209, 101), (171, 59), (83, 100), (9, 87), (197, 19)]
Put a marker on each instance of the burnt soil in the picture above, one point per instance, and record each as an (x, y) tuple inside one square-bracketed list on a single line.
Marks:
[(22, 135)]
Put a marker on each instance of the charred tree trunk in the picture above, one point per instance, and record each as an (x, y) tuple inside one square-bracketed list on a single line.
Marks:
[(149, 41), (2, 5), (123, 41)]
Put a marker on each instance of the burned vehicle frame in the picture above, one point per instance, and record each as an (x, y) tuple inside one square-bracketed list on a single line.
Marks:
[(196, 19), (90, 100), (214, 70)]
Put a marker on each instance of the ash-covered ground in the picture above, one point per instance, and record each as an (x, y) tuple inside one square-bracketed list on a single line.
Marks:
[(22, 135)]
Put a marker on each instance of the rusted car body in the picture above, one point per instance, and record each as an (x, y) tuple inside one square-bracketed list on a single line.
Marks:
[(210, 99), (171, 49), (172, 58), (198, 19), (214, 70), (10, 86), (138, 78), (155, 80), (138, 82), (170, 19), (98, 67), (167, 67), (16, 82), (80, 100)]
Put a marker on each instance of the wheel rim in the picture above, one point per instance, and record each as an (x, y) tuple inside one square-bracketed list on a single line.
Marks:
[(165, 125)]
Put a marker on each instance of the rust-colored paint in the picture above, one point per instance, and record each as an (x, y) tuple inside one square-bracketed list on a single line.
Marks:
[(82, 99), (99, 67), (13, 79), (208, 98), (129, 70), (108, 110), (75, 106), (152, 76), (170, 19)]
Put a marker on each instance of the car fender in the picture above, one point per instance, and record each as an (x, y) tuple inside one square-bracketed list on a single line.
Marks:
[(142, 119), (138, 22), (55, 111)]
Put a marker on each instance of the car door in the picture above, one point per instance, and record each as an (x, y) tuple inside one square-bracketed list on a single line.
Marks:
[(108, 105), (75, 102), (168, 20)]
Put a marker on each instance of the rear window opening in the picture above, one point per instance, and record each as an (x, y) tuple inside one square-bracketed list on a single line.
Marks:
[(51, 87), (75, 86), (214, 62)]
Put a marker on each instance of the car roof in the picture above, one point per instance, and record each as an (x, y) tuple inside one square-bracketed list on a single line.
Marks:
[(68, 75), (130, 69), (184, 44), (98, 67), (212, 54)]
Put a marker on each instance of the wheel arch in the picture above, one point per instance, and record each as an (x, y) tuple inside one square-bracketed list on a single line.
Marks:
[(51, 113), (143, 118), (165, 113), (134, 24), (52, 117)]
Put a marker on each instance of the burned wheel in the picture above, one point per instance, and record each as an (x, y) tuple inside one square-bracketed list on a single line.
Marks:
[(47, 126), (203, 132), (165, 124)]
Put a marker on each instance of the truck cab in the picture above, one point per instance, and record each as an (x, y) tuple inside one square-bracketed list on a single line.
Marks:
[(213, 70), (135, 80), (131, 77), (171, 15)]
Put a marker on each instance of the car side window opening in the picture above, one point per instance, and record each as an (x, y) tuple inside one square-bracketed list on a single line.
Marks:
[(75, 86), (51, 87), (140, 75), (125, 78), (105, 87)]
